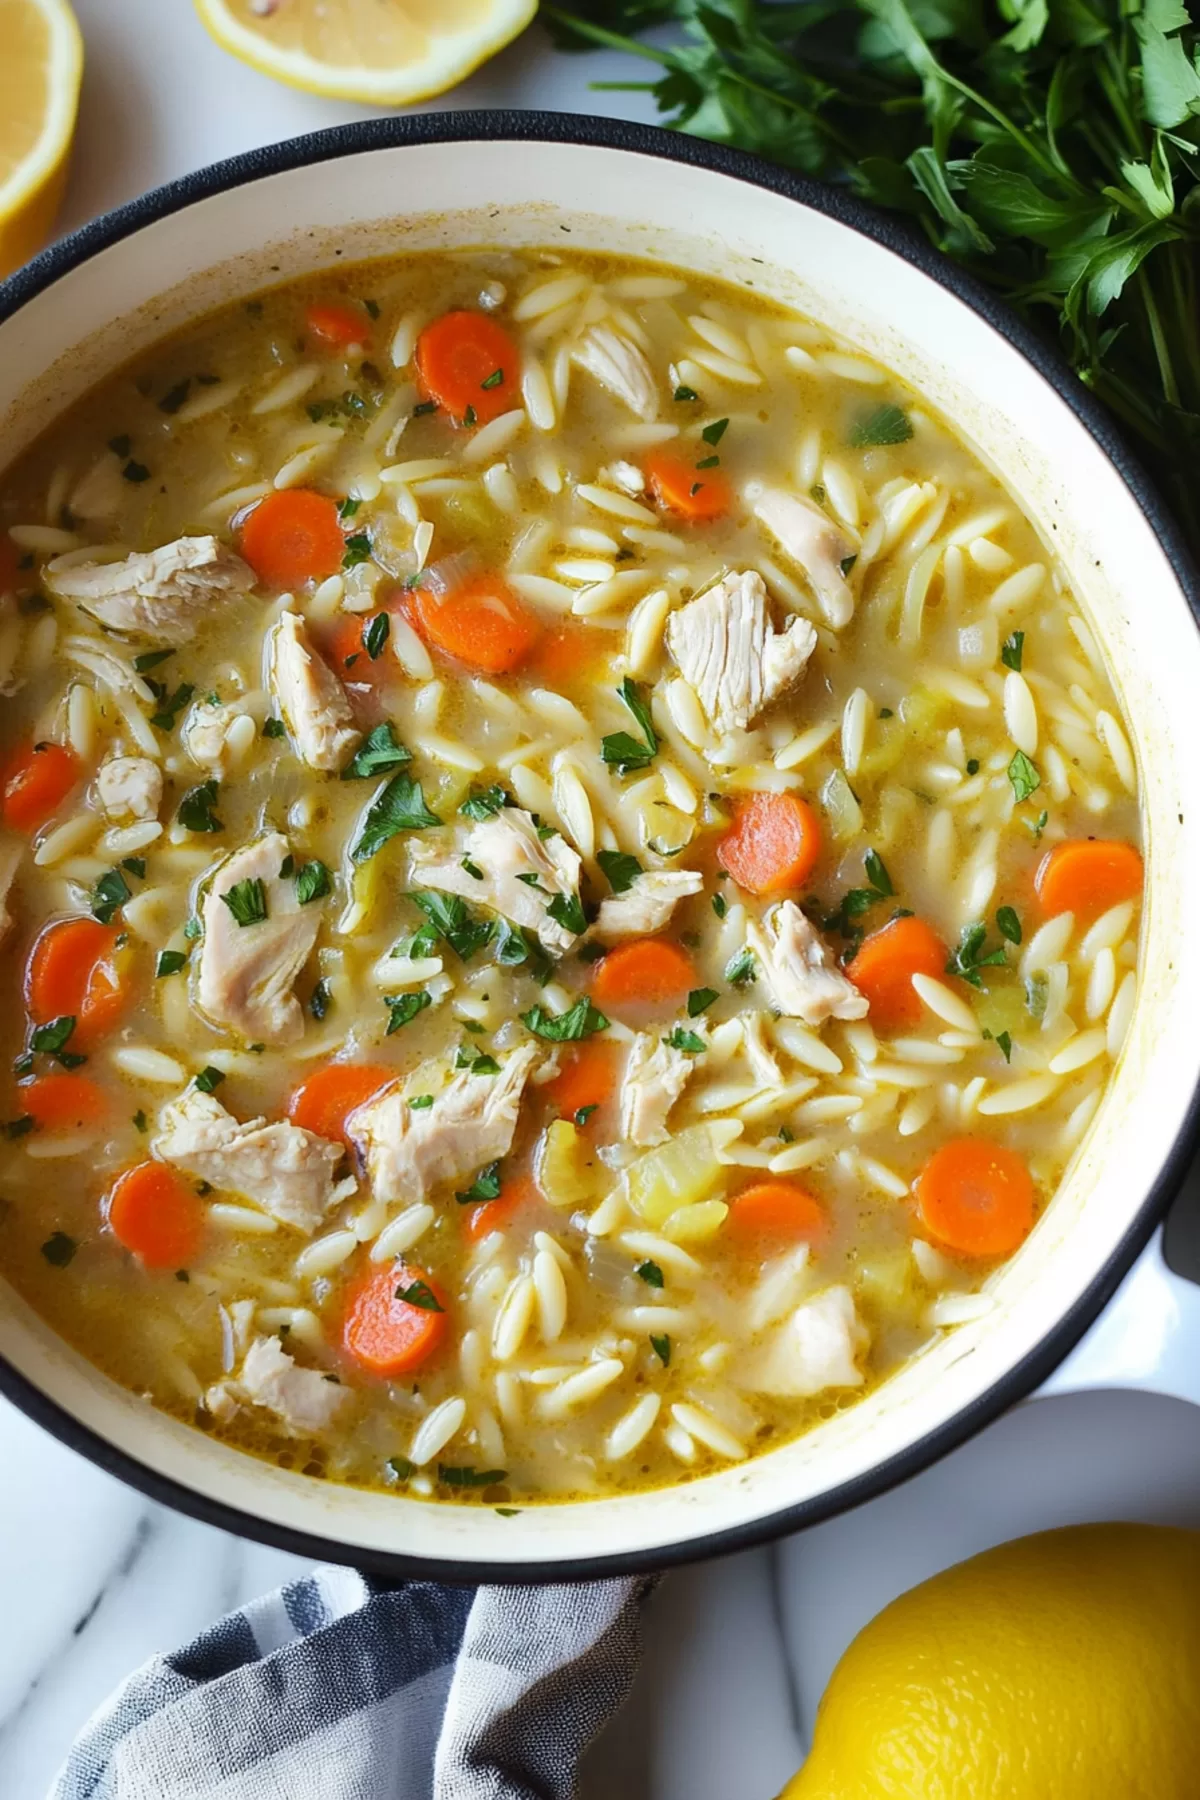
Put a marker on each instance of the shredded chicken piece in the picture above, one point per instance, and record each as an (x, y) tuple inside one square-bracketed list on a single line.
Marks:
[(247, 971), (798, 969), (512, 858), (816, 1348), (618, 365), (759, 1054), (810, 537), (129, 787), (287, 1171), (307, 1401), (655, 1076), (647, 903), (729, 651), (470, 1123), (205, 730), (161, 593), (311, 699)]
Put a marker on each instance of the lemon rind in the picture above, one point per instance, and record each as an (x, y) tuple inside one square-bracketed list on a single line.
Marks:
[(58, 127)]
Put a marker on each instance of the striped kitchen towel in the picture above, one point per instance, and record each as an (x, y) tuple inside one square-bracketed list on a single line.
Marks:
[(339, 1687)]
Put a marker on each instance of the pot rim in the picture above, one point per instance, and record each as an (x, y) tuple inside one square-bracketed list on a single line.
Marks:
[(593, 132)]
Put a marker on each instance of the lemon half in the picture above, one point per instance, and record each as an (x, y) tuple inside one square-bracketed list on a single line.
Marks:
[(387, 52), (41, 63)]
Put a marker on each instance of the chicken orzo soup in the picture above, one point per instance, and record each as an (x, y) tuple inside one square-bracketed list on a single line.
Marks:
[(574, 875)]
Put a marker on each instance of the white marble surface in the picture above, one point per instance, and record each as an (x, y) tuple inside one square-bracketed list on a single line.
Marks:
[(93, 1579)]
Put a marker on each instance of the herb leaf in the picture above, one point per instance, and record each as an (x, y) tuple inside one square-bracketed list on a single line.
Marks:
[(449, 919), (650, 1273), (400, 806), (247, 900), (464, 1476), (419, 1293), (196, 808), (699, 1000), (886, 425), (313, 882), (620, 869), (1008, 924), (485, 803), (169, 963), (690, 1042), (486, 1186), (970, 956), (661, 1347), (379, 751), (109, 896), (567, 910), (209, 1079), (582, 1020), (620, 747), (59, 1249), (404, 1008), (1013, 650), (1024, 777)]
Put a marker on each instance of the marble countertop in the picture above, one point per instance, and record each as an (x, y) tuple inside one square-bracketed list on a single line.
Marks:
[(94, 1579)]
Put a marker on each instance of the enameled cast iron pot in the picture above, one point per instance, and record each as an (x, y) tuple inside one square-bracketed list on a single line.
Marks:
[(83, 308)]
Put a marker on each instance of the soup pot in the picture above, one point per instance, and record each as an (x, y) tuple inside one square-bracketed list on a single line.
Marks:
[(106, 293)]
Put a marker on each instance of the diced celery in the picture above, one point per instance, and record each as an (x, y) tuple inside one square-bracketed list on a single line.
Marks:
[(567, 1173), (697, 1223), (841, 808), (1002, 1009), (885, 1279)]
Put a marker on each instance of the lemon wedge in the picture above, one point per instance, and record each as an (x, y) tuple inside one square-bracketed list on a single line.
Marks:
[(41, 62), (386, 52)]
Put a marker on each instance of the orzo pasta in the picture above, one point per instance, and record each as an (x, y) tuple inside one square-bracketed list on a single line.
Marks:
[(572, 867)]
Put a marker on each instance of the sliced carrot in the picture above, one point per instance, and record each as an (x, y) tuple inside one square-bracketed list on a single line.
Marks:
[(387, 1335), (336, 327), (470, 366), (324, 1102), (644, 972), (154, 1213), (567, 655), (976, 1197), (772, 845), (293, 536), (497, 1214), (481, 623), (35, 781), (62, 1102), (1086, 876), (683, 488), (782, 1210), (588, 1077), (72, 971), (885, 964)]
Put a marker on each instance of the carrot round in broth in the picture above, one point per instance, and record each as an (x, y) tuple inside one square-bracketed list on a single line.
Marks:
[(387, 1334), (884, 965), (336, 326), (773, 844), (479, 622), (63, 1102), (156, 1215), (643, 972), (1086, 876), (34, 782), (976, 1197), (780, 1211), (72, 972), (683, 488), (293, 535), (324, 1101), (469, 365)]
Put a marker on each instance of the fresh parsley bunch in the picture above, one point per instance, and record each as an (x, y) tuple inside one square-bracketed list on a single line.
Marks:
[(1051, 146)]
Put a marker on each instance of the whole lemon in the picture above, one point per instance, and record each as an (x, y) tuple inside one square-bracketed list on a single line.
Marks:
[(1060, 1667)]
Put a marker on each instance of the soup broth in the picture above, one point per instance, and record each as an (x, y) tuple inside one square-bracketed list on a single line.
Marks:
[(573, 870)]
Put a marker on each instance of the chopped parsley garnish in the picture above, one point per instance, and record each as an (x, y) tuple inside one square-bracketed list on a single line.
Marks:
[(623, 749), (375, 635), (494, 379), (109, 896), (712, 434), (699, 1000), (140, 1121), (661, 1347), (582, 1114), (400, 806), (1004, 1044), (419, 1102), (313, 882), (516, 948), (685, 393), (1024, 777), (886, 425), (151, 659), (423, 408), (534, 881), (193, 929), (380, 751), (247, 900), (358, 550), (52, 1039), (741, 968), (464, 1476), (348, 507), (136, 472), (136, 866), (450, 920), (972, 765), (401, 1467), (1013, 651), (209, 1079), (857, 901), (169, 963), (321, 999), (970, 956), (620, 869), (171, 705), (121, 446), (708, 462), (196, 808), (419, 1293), (477, 1061), (720, 905), (403, 1009), (274, 728), (473, 869), (1008, 924), (650, 1273), (58, 1249), (690, 1042), (1037, 994), (485, 803), (174, 398), (486, 1186), (582, 1020), (567, 910), (847, 564), (18, 1128)]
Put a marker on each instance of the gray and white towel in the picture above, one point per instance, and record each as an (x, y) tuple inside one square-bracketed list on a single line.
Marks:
[(339, 1687)]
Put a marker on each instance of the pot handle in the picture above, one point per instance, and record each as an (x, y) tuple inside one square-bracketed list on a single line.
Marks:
[(1148, 1336)]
